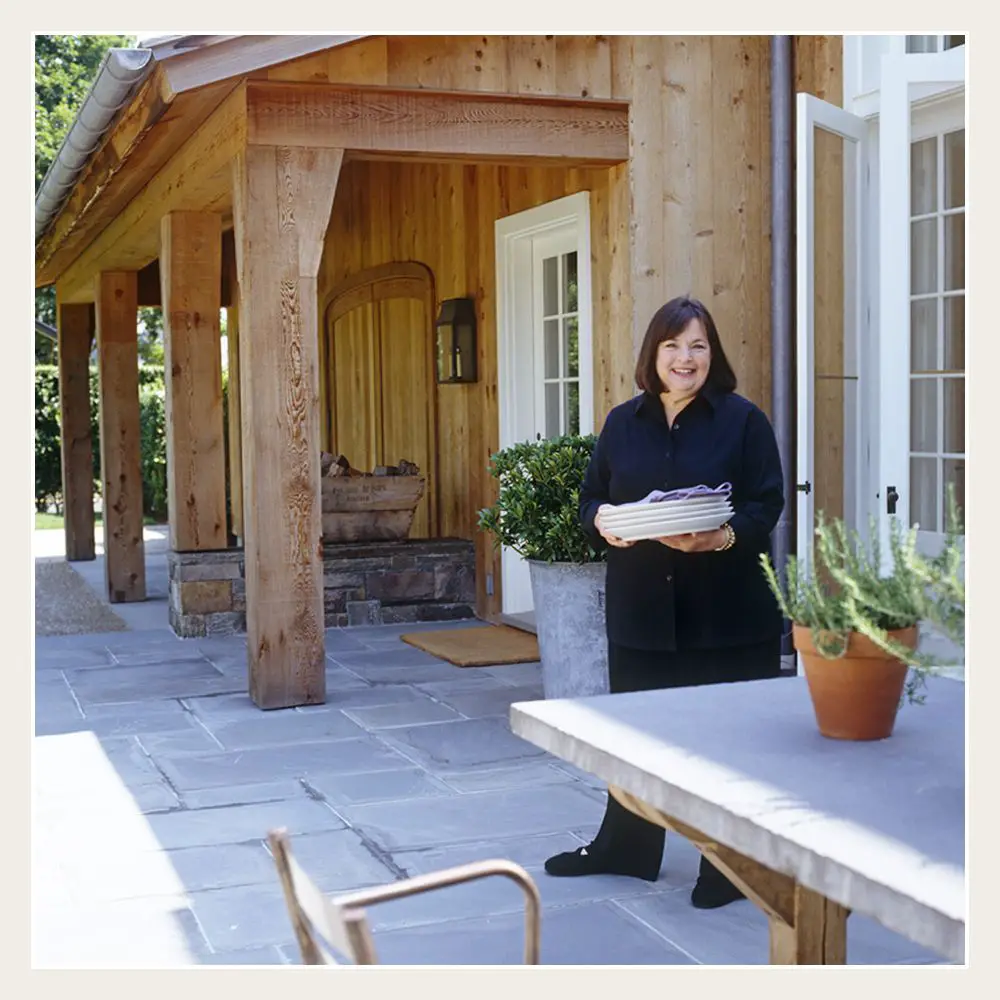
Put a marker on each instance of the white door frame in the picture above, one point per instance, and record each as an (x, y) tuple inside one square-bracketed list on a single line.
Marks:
[(936, 74), (515, 235), (812, 114)]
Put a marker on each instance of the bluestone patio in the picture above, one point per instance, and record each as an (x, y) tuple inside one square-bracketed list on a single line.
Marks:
[(156, 779)]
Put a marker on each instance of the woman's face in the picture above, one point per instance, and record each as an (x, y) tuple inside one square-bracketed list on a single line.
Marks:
[(682, 362)]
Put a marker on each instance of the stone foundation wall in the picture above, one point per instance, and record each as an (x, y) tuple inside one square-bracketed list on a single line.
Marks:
[(207, 593), (409, 581), (364, 583)]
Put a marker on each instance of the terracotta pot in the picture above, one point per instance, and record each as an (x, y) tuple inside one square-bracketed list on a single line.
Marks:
[(856, 696)]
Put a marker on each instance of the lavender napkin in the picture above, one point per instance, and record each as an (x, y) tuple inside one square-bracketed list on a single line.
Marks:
[(723, 490)]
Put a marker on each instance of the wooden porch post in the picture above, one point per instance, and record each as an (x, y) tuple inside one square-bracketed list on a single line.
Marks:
[(121, 472), (190, 279), (76, 333), (282, 198)]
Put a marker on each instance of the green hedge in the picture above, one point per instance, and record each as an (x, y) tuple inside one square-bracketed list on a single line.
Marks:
[(152, 426)]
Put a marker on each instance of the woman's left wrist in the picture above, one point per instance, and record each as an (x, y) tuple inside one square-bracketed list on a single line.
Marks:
[(727, 538)]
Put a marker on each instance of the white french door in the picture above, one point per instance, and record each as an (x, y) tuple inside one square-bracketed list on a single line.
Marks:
[(544, 342), (921, 302), (831, 278)]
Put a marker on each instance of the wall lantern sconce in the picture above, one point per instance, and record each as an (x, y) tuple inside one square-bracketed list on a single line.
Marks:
[(456, 341)]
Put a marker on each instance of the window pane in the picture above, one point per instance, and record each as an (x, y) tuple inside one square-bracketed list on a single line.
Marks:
[(550, 286), (570, 289), (953, 41), (954, 333), (954, 472), (954, 169), (923, 335), (921, 43), (571, 346), (552, 427), (954, 415), (924, 493), (923, 414), (572, 407), (923, 256), (551, 336), (923, 176), (954, 252)]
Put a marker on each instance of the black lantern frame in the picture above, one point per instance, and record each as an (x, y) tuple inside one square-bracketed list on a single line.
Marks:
[(457, 351)]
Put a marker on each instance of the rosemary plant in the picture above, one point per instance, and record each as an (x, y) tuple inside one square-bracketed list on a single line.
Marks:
[(848, 592)]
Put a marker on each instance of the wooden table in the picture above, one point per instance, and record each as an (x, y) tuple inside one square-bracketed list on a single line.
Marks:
[(810, 829)]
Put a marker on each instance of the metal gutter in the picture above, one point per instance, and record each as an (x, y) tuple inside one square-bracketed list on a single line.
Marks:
[(121, 71), (46, 331), (782, 294)]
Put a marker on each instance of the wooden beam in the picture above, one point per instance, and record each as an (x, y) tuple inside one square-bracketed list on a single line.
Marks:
[(76, 333), (121, 473), (191, 273), (197, 178), (282, 201), (462, 125), (817, 934), (149, 132)]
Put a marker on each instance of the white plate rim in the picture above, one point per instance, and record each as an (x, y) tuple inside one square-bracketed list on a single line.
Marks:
[(684, 528), (664, 516)]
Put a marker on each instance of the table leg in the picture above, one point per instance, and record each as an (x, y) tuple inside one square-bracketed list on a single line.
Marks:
[(818, 935), (806, 927)]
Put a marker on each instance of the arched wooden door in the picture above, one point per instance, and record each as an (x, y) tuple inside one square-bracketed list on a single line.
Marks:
[(379, 400)]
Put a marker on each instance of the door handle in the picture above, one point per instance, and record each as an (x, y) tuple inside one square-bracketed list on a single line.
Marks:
[(891, 499)]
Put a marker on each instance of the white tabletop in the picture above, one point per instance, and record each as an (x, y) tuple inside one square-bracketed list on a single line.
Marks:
[(878, 827)]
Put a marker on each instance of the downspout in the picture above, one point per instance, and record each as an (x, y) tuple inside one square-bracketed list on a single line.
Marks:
[(120, 73), (782, 295)]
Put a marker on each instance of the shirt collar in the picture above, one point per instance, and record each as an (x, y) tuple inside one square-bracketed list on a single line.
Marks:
[(650, 403)]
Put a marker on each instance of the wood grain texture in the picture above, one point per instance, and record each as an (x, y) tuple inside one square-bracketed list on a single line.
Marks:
[(196, 178), (121, 473), (282, 205), (816, 936), (191, 276), (76, 335), (149, 133), (440, 123)]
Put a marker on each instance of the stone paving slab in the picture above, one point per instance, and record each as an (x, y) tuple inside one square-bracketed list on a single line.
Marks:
[(509, 813), (491, 701), (589, 934), (132, 718), (239, 795), (340, 860), (218, 867), (379, 786), (464, 743), (283, 727), (184, 679), (522, 775), (241, 824), (401, 715), (237, 767), (244, 917)]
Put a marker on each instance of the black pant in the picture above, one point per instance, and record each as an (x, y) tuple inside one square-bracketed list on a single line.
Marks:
[(623, 835)]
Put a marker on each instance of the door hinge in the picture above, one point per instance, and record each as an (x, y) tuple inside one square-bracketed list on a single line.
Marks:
[(805, 487), (891, 499)]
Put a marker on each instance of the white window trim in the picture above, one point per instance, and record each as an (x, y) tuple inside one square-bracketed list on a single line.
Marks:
[(511, 231)]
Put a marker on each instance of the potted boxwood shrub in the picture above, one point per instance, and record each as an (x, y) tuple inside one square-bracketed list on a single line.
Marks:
[(537, 515), (857, 629)]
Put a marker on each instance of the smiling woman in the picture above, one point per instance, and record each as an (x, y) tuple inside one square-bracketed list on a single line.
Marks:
[(687, 609)]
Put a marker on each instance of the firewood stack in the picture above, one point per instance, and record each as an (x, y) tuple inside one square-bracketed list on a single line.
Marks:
[(336, 466)]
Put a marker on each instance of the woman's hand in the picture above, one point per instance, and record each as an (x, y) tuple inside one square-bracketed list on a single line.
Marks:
[(618, 543), (698, 541)]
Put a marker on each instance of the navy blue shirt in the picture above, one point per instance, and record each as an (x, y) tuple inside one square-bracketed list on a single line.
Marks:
[(662, 599)]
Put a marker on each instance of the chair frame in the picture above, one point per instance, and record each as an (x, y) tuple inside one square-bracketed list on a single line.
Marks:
[(342, 919)]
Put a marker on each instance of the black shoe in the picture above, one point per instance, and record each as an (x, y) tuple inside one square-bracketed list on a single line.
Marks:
[(714, 890), (585, 861)]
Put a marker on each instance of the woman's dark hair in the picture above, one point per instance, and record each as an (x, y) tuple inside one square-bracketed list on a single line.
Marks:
[(667, 322)]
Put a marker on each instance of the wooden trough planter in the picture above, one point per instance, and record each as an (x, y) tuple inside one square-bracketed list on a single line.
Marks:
[(369, 508)]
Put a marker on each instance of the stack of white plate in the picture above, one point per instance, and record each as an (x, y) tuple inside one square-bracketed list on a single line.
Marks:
[(638, 521)]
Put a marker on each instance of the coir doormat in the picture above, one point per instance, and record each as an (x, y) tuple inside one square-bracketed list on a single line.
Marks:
[(484, 646)]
